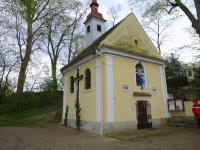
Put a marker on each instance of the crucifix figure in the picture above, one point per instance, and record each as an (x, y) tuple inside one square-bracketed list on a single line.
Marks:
[(77, 104)]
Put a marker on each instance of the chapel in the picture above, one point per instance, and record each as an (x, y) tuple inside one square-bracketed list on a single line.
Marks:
[(118, 81)]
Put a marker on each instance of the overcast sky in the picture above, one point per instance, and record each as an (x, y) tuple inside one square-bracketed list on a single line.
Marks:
[(177, 32)]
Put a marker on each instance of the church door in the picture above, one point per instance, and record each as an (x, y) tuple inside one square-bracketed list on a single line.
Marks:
[(144, 115)]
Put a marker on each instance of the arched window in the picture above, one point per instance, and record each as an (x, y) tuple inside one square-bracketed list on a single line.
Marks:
[(72, 84), (87, 79), (140, 75)]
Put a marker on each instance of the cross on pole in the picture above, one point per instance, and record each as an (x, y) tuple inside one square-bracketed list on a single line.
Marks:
[(77, 79)]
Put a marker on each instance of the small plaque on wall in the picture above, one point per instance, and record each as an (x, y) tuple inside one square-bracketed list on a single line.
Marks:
[(125, 88)]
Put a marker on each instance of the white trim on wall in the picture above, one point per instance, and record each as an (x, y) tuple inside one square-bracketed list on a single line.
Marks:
[(64, 97), (164, 89), (128, 55), (98, 89), (145, 75), (114, 52), (110, 88)]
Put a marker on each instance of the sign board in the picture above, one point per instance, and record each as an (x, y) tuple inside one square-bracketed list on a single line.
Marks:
[(175, 105), (179, 105), (125, 88), (171, 105)]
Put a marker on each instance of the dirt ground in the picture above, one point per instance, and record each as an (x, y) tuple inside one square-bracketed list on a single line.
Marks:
[(61, 138)]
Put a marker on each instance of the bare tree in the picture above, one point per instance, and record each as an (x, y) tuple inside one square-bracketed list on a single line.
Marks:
[(58, 31), (171, 5), (77, 44), (195, 41), (114, 13), (157, 25), (8, 63), (26, 18)]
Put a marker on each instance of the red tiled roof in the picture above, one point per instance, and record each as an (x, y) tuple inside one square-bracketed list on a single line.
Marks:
[(94, 11)]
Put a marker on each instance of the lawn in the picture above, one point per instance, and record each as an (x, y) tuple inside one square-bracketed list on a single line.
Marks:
[(29, 118), (30, 109)]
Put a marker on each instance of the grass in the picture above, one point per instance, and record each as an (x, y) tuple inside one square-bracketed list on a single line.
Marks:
[(28, 118), (26, 109)]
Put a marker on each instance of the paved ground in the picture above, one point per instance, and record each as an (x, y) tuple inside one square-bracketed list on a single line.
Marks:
[(60, 138)]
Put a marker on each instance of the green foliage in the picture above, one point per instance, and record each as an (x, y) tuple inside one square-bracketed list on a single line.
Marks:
[(178, 82), (196, 83), (174, 67), (196, 68), (28, 118), (30, 100), (175, 72), (47, 86)]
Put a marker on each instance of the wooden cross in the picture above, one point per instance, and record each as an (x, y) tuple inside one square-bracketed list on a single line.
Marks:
[(77, 105), (77, 79)]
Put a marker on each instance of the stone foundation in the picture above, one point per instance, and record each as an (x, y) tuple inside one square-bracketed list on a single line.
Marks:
[(97, 127)]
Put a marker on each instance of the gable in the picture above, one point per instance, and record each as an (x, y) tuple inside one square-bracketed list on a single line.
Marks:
[(129, 36), (122, 37)]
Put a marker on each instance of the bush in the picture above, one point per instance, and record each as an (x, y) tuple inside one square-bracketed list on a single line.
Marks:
[(177, 82), (30, 100), (196, 83)]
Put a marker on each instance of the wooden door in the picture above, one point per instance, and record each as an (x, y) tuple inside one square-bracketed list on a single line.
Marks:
[(144, 115)]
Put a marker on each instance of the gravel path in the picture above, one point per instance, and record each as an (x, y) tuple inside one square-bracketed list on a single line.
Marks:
[(60, 138)]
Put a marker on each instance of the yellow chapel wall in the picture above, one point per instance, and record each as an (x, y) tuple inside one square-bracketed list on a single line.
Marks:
[(125, 102), (87, 97)]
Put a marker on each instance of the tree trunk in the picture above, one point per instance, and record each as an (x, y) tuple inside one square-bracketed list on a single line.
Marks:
[(25, 60), (22, 75), (197, 6), (195, 22), (54, 76)]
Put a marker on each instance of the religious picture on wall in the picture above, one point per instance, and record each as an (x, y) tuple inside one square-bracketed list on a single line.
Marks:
[(179, 105), (171, 104), (175, 105), (140, 76)]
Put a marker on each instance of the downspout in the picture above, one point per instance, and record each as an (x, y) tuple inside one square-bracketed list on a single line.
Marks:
[(102, 103)]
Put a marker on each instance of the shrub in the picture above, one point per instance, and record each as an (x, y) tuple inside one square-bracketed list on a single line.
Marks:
[(30, 100), (177, 82), (196, 83)]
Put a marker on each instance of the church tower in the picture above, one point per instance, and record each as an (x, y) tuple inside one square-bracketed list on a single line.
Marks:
[(94, 24)]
